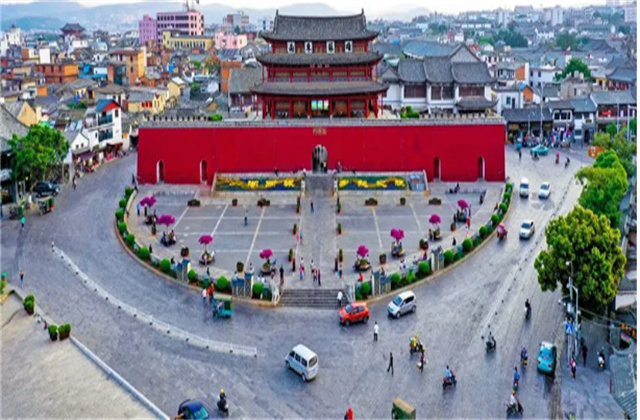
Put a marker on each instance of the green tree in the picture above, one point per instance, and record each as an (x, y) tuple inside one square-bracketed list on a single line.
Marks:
[(512, 38), (566, 40), (38, 153), (626, 151), (633, 125), (575, 64), (606, 184), (601, 139), (486, 40), (592, 247), (612, 129)]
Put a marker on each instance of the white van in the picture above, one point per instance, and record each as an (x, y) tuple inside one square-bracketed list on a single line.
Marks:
[(303, 361), (524, 188)]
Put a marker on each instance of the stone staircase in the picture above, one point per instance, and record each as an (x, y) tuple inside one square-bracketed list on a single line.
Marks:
[(311, 298), (319, 184)]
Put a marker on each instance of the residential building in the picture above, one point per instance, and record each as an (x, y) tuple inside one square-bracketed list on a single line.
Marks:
[(515, 96), (230, 41), (225, 72), (265, 24), (44, 55), (319, 67), (24, 113), (539, 75), (584, 121), (190, 22), (176, 87), (147, 30), (508, 73), (631, 13), (14, 36), (237, 20), (112, 92), (526, 122), (58, 73), (134, 62), (80, 146), (622, 78), (241, 81), (12, 191), (613, 107), (554, 16), (72, 30), (575, 86), (104, 125), (79, 89), (147, 100), (178, 41)]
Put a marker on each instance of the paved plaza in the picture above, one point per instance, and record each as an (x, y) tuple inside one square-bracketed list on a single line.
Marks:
[(272, 227)]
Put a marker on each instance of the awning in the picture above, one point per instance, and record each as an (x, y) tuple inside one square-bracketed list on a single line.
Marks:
[(88, 155), (5, 175)]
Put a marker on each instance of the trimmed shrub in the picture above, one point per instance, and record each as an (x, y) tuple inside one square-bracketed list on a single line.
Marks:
[(234, 202), (194, 202), (53, 332), (127, 193), (509, 186), (204, 283), (467, 245), (339, 228), (484, 231), (495, 219), (503, 207), (3, 285), (122, 227), (457, 257), (448, 257), (339, 207), (423, 244), (64, 331), (120, 215), (165, 265), (411, 276), (257, 290), (192, 276), (507, 196), (395, 279), (371, 202), (130, 239), (143, 253), (424, 269), (359, 295), (435, 201), (340, 255), (215, 117), (403, 201), (365, 289), (240, 266), (290, 254), (122, 203), (476, 241), (453, 226), (222, 284), (295, 228), (383, 258)]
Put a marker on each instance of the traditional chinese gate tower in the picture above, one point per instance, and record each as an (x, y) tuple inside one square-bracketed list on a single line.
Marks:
[(319, 67)]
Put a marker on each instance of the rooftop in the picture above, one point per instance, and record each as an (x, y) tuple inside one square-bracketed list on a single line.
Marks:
[(524, 115), (319, 28), (308, 59), (420, 49), (584, 105), (242, 80), (10, 126), (319, 88), (613, 97)]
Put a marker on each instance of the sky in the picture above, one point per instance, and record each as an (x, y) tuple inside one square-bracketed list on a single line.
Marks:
[(455, 6)]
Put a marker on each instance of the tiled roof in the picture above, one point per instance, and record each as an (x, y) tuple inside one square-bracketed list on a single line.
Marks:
[(74, 85), (390, 75), (72, 27), (388, 48), (319, 28), (471, 73), (624, 371), (613, 97), (319, 88), (420, 49), (15, 107), (411, 71), (103, 103), (583, 105), (624, 74), (475, 103), (438, 70), (524, 115), (560, 105), (10, 126), (308, 59), (242, 80), (140, 96), (110, 89)]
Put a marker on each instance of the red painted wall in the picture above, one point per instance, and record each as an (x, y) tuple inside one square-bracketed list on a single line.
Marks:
[(363, 148)]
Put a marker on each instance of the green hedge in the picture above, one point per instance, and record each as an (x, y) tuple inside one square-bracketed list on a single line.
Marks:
[(503, 207), (222, 284), (484, 231), (122, 227), (395, 279), (411, 276), (507, 196), (3, 285), (122, 203), (365, 289), (448, 257), (120, 215), (495, 219), (257, 289), (143, 253), (424, 269), (127, 193), (130, 239), (192, 275), (467, 245), (53, 330), (165, 265)]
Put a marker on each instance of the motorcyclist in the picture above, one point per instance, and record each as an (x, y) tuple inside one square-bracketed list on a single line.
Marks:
[(527, 307), (222, 399), (491, 342), (415, 342), (516, 374), (349, 414), (523, 354), (601, 359), (448, 375), (513, 401)]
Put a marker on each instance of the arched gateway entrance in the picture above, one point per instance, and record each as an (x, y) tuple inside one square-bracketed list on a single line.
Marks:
[(320, 158)]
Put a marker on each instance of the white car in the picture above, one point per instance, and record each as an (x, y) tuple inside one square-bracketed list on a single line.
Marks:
[(545, 190), (527, 229)]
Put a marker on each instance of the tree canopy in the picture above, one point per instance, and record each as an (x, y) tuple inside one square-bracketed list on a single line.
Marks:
[(38, 153), (566, 40), (593, 248), (512, 38), (606, 185), (575, 64), (486, 40), (619, 144)]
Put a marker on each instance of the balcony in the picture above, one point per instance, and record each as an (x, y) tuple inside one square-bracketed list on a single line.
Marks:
[(108, 119), (105, 135)]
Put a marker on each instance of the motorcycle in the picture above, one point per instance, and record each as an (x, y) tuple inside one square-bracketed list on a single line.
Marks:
[(557, 160), (490, 345), (223, 406), (513, 410), (524, 359), (449, 382), (516, 382), (566, 164), (601, 360), (418, 347)]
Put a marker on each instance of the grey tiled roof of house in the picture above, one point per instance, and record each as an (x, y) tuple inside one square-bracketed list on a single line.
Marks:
[(319, 28), (624, 74), (10, 126), (438, 70), (471, 73), (308, 59), (242, 80), (560, 105), (319, 88), (613, 97), (550, 90), (583, 105), (524, 115), (389, 75), (475, 103), (14, 108), (420, 49), (411, 71), (388, 48), (624, 371), (135, 96), (70, 87)]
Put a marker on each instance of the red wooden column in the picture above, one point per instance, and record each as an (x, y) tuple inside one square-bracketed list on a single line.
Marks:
[(290, 108), (330, 107), (382, 102), (366, 106), (263, 109), (375, 106)]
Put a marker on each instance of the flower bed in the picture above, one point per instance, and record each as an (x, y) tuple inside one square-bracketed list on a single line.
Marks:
[(365, 183), (224, 183)]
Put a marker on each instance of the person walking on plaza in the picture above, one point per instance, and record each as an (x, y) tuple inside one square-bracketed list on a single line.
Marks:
[(21, 279), (520, 154), (246, 221), (138, 209), (573, 367), (22, 223), (339, 298), (204, 297), (74, 183), (301, 272), (375, 331), (281, 274), (311, 205), (584, 353), (301, 242), (390, 367)]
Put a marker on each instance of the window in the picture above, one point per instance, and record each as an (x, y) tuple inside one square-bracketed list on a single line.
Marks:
[(297, 358), (291, 47), (419, 91), (508, 100), (116, 112), (539, 74), (308, 47), (348, 46), (331, 47)]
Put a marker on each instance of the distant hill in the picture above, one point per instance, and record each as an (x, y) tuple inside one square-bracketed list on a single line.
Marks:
[(29, 23)]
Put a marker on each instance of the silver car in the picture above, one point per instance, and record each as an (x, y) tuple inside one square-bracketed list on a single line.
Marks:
[(402, 304), (527, 229), (545, 190)]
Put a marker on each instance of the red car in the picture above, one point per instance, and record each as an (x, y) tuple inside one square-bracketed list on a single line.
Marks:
[(354, 312)]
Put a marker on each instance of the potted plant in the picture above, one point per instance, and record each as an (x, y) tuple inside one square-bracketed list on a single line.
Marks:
[(403, 201), (383, 258), (339, 228), (423, 244), (339, 208), (290, 254), (234, 202), (53, 332), (340, 255), (64, 331), (295, 228), (257, 290), (184, 251), (29, 304), (298, 206), (194, 202), (453, 226), (239, 266)]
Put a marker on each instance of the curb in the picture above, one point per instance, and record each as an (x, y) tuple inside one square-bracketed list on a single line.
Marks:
[(101, 364)]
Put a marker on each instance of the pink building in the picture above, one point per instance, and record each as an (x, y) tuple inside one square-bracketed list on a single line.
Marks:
[(186, 22), (230, 41), (147, 29)]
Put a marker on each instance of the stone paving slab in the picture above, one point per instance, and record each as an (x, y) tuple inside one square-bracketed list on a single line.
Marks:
[(41, 378)]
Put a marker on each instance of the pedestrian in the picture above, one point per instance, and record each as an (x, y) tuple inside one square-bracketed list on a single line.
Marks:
[(74, 183), (210, 293), (301, 273), (281, 274), (422, 361), (584, 354), (573, 367), (469, 221), (22, 223), (150, 249), (204, 297), (339, 298), (375, 331), (313, 273), (390, 367), (246, 212), (293, 264), (311, 205), (301, 243), (520, 154), (340, 271), (137, 208), (298, 238), (302, 264), (319, 280), (21, 279), (133, 179)]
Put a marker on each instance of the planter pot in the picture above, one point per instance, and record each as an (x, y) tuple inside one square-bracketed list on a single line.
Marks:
[(29, 310), (453, 227), (234, 202), (403, 201), (63, 335), (53, 337), (383, 259), (184, 252)]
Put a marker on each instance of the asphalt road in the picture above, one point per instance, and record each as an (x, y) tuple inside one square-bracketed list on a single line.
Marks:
[(455, 311)]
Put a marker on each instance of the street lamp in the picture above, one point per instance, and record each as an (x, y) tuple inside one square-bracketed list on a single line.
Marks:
[(575, 314)]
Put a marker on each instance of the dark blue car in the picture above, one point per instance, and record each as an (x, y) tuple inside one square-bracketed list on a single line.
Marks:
[(192, 410)]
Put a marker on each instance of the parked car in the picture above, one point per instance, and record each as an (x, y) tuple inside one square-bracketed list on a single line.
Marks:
[(527, 229), (540, 149), (192, 410), (547, 357), (402, 304), (46, 188), (544, 190), (354, 312), (303, 361)]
